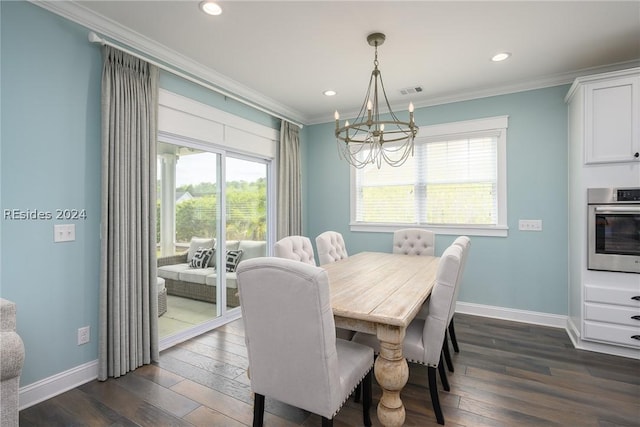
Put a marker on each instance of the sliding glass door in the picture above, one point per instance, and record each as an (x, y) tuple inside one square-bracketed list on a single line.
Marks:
[(212, 213)]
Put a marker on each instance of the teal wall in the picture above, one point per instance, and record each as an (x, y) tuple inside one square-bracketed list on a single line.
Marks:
[(50, 159), (526, 270)]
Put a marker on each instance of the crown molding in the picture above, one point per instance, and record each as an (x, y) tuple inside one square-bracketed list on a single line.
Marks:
[(128, 38), (124, 36), (545, 82)]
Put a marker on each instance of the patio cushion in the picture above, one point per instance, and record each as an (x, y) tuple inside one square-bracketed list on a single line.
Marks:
[(172, 271), (196, 275)]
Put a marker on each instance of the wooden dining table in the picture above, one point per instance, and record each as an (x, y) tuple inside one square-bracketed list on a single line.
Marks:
[(380, 293)]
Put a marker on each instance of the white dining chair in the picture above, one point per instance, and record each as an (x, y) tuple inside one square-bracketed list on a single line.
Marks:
[(464, 242), (294, 356), (331, 247), (413, 241), (424, 337), (297, 248)]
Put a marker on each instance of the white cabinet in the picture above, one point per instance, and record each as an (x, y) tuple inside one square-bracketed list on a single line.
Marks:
[(604, 135), (612, 315), (611, 107)]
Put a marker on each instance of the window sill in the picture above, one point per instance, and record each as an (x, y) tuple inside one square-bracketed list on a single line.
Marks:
[(467, 230)]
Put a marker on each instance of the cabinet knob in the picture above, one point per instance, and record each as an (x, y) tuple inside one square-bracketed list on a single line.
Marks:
[(636, 155), (636, 337), (636, 317), (636, 298)]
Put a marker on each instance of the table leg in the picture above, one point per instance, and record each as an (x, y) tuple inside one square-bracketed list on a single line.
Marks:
[(392, 373)]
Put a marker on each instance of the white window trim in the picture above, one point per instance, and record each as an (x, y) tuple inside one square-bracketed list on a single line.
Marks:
[(501, 229)]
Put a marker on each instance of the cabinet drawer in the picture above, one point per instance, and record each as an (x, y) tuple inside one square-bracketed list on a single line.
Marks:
[(615, 334), (610, 295), (612, 314)]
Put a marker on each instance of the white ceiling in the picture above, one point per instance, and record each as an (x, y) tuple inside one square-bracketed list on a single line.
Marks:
[(284, 54)]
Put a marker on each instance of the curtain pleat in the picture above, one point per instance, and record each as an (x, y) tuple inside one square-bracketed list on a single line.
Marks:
[(289, 200), (128, 295)]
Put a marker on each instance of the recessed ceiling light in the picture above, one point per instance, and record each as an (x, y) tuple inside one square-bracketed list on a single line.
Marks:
[(329, 92), (210, 8), (500, 56)]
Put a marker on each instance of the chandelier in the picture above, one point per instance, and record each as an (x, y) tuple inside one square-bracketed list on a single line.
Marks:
[(370, 139)]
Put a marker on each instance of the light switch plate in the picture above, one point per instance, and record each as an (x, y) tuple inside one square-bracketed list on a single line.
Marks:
[(530, 225), (64, 233)]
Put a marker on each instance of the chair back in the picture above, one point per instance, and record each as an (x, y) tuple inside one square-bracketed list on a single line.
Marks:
[(290, 332), (413, 241), (464, 242), (297, 248), (331, 247), (440, 304)]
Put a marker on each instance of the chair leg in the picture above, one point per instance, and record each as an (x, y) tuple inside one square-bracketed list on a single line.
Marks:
[(356, 393), (433, 390), (452, 333), (447, 353), (258, 410), (327, 422), (367, 398), (443, 375)]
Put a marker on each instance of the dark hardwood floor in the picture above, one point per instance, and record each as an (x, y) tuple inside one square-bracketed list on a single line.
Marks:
[(506, 374)]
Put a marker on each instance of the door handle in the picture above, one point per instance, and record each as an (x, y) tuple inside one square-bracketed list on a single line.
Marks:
[(636, 317), (636, 337), (636, 298)]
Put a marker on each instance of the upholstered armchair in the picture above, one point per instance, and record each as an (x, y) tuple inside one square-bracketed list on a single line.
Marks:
[(11, 361), (297, 248), (413, 241), (294, 355), (331, 247)]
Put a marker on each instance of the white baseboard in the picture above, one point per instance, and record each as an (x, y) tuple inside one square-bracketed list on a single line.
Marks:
[(532, 317), (57, 384), (52, 386)]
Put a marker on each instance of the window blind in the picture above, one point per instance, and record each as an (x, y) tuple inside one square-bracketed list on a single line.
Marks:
[(450, 180)]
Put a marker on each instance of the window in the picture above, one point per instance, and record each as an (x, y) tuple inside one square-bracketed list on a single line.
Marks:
[(454, 183)]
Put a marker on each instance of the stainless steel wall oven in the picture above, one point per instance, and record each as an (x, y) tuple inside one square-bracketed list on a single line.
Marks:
[(614, 229)]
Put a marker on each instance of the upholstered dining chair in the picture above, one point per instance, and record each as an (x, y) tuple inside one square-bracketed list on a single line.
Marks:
[(297, 248), (464, 242), (413, 241), (294, 356), (424, 337), (331, 247)]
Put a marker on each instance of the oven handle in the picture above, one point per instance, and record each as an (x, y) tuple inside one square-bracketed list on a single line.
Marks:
[(618, 209)]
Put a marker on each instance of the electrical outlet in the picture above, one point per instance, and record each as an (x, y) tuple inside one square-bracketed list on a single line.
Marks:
[(84, 335), (530, 225), (64, 233)]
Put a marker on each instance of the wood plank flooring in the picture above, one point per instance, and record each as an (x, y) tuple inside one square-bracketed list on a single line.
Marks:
[(506, 374)]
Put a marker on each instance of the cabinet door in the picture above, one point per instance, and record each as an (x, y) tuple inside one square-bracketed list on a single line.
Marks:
[(612, 123)]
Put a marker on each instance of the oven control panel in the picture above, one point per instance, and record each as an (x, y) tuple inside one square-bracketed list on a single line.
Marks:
[(607, 196), (628, 195)]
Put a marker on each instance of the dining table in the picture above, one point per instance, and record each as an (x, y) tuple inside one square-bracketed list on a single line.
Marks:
[(381, 293)]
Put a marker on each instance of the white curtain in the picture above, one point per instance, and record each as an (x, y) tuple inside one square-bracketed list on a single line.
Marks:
[(128, 297), (289, 193)]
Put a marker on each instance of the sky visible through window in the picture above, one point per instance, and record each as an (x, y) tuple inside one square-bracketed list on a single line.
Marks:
[(195, 169)]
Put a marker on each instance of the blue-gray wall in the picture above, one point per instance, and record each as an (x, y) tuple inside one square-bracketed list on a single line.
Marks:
[(526, 270), (50, 159)]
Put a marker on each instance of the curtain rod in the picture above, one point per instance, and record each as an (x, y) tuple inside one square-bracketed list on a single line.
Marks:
[(94, 38)]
